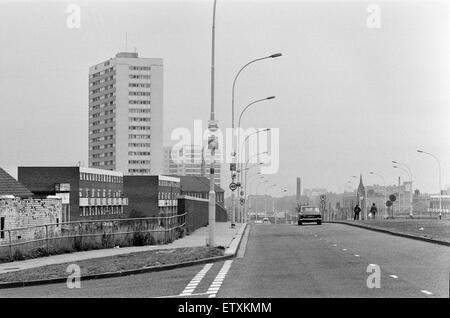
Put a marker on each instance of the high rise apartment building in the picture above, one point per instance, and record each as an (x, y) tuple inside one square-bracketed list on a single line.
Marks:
[(126, 115), (190, 160)]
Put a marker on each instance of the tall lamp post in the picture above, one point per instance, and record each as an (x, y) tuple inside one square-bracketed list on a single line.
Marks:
[(245, 216), (246, 163), (240, 148), (440, 184), (408, 171), (250, 190), (232, 125), (257, 205), (245, 140), (385, 195), (266, 199), (212, 142)]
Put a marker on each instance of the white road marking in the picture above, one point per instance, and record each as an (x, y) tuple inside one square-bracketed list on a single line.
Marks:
[(356, 255), (217, 283), (394, 276), (189, 289), (344, 249), (426, 292)]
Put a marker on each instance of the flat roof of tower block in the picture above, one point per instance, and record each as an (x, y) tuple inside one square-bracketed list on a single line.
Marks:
[(127, 54)]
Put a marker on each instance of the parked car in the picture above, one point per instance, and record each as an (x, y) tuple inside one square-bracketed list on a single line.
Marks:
[(309, 214), (266, 221)]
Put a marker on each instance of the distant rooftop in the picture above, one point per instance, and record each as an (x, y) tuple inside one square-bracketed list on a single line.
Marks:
[(196, 184), (10, 186), (127, 54)]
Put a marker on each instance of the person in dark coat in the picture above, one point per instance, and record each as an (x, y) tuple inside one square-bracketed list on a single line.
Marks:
[(356, 210), (373, 210)]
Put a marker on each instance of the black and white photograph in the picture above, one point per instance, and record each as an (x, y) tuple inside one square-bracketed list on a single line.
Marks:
[(225, 156)]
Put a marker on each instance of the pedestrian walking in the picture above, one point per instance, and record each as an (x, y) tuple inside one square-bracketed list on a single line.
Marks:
[(356, 210), (373, 210)]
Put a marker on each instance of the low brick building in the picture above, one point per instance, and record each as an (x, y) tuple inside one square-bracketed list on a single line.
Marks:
[(151, 195), (86, 193)]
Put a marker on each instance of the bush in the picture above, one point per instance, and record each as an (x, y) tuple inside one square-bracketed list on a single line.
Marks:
[(107, 240), (78, 243)]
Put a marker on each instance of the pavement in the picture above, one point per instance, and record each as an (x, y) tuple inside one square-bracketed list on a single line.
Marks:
[(431, 230), (225, 236), (330, 260)]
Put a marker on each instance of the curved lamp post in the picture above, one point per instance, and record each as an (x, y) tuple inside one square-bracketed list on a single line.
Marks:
[(440, 184), (410, 181), (257, 186), (232, 122)]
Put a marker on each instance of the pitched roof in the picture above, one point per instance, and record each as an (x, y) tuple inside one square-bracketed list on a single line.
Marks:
[(10, 186), (196, 184)]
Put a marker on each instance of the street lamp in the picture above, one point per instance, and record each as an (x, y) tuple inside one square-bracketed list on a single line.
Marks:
[(411, 182), (385, 195), (239, 127), (440, 184), (257, 186), (246, 163), (266, 199), (399, 188), (232, 124), (240, 148), (212, 126)]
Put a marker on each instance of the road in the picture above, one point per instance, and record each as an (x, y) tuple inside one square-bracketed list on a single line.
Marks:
[(331, 260)]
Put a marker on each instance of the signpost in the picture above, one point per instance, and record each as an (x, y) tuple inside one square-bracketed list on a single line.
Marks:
[(233, 186), (389, 204)]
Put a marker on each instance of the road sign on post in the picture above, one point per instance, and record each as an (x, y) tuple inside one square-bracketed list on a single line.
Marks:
[(242, 201), (233, 186)]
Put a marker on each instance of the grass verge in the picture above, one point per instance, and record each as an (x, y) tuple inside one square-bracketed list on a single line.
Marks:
[(116, 263), (431, 229)]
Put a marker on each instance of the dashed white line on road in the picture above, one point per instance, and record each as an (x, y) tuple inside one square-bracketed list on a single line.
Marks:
[(344, 249), (356, 255), (426, 292), (217, 283), (393, 276), (189, 289)]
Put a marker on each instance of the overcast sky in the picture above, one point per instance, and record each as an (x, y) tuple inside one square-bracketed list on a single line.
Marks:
[(349, 98)]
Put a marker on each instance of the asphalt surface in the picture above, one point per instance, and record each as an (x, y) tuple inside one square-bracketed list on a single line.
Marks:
[(331, 260)]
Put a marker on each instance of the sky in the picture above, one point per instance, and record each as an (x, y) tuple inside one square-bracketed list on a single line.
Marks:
[(349, 98)]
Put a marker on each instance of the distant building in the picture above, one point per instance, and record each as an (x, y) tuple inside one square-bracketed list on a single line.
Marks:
[(198, 187), (159, 195), (152, 195), (86, 193), (313, 193), (299, 189), (361, 198), (126, 115), (190, 160), (434, 204)]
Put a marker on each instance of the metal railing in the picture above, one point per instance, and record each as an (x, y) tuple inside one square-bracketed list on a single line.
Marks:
[(55, 238)]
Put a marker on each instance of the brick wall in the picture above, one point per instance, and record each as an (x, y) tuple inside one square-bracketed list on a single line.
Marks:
[(197, 212), (29, 212)]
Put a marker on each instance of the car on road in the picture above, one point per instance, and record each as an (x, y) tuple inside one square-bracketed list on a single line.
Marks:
[(266, 221), (309, 214)]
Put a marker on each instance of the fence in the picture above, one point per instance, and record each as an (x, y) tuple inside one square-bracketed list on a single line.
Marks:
[(64, 237), (345, 214)]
